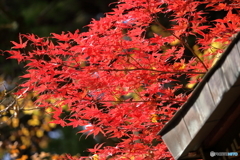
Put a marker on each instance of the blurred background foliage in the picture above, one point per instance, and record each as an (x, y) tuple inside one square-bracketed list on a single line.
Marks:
[(43, 17), (30, 135)]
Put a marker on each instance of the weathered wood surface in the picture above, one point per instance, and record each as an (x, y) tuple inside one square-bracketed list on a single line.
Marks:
[(209, 102)]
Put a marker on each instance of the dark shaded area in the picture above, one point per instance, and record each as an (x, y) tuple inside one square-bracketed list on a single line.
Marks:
[(43, 17)]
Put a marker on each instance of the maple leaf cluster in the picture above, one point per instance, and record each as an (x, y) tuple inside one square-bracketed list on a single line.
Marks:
[(120, 80)]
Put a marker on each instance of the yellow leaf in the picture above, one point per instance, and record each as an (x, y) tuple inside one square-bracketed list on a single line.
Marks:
[(52, 125), (15, 122), (175, 42), (195, 78), (48, 110), (197, 51), (12, 138), (154, 118), (160, 31), (216, 58), (28, 111), (33, 122), (215, 46), (46, 127), (26, 141), (179, 66), (25, 131), (5, 119), (136, 96), (190, 85), (2, 107), (43, 143), (95, 157), (39, 133)]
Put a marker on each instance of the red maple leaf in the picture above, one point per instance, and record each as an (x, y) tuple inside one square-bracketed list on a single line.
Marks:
[(19, 45)]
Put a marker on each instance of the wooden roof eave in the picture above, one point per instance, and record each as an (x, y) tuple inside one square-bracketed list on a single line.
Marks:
[(209, 101)]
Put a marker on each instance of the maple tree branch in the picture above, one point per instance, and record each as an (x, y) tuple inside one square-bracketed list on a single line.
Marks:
[(9, 106), (153, 70), (29, 109), (182, 42), (135, 60), (139, 69), (144, 101)]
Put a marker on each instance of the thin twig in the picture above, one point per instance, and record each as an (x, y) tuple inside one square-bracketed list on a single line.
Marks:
[(163, 100), (182, 42), (139, 69), (153, 70)]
